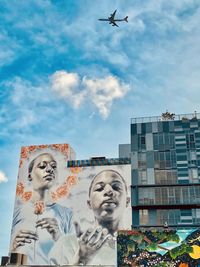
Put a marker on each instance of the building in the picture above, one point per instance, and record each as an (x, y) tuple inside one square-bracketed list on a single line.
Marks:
[(124, 150), (67, 197), (165, 157), (161, 166)]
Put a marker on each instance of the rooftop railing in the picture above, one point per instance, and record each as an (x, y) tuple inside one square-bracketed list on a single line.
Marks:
[(167, 117)]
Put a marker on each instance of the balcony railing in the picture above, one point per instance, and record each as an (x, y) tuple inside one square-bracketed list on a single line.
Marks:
[(183, 117)]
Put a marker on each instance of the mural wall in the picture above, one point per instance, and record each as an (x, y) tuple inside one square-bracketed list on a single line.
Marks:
[(167, 248), (68, 215)]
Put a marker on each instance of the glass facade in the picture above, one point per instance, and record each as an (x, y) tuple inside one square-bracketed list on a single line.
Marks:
[(165, 156), (174, 217), (169, 195)]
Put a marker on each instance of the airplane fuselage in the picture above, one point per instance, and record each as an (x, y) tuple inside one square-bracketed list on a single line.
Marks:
[(112, 19)]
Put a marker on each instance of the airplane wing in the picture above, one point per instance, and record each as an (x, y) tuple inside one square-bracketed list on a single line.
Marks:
[(112, 16), (114, 24)]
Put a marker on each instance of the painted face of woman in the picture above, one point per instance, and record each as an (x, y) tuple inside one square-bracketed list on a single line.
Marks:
[(44, 172)]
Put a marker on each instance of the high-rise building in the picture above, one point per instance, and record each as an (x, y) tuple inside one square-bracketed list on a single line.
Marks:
[(165, 163)]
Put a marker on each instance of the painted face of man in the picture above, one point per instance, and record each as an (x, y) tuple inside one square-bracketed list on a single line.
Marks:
[(44, 172), (108, 196)]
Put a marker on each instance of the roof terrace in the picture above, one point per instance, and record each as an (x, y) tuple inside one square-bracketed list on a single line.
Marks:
[(167, 116)]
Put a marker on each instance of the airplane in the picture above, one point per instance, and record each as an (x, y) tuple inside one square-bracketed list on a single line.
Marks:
[(112, 19)]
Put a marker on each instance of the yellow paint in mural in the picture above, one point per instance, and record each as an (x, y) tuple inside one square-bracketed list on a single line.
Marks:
[(196, 252)]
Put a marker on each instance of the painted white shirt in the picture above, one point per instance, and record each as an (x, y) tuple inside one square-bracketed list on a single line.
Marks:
[(25, 219), (67, 246)]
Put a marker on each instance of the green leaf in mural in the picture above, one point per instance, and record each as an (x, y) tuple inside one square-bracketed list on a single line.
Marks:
[(142, 246), (131, 247), (151, 247), (136, 238), (180, 250)]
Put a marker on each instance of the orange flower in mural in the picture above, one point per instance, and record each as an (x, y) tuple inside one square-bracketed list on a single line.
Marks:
[(39, 207), (183, 264), (24, 152), (62, 191), (20, 189), (31, 148), (56, 146), (75, 170), (27, 196), (42, 146), (71, 180), (64, 149)]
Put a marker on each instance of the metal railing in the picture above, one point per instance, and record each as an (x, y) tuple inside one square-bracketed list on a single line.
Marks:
[(183, 117)]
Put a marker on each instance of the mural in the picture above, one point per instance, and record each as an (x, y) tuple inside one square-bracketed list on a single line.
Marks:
[(167, 248), (68, 215), (101, 206), (39, 219)]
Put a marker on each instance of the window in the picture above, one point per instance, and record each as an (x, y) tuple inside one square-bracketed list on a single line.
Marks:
[(165, 176), (146, 196), (186, 212), (142, 177), (163, 141), (164, 159), (192, 155), (142, 160), (193, 175), (185, 195), (192, 158), (190, 140), (172, 217), (141, 142), (197, 213), (171, 195), (144, 217)]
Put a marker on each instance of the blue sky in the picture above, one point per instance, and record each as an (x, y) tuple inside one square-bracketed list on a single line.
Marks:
[(66, 77)]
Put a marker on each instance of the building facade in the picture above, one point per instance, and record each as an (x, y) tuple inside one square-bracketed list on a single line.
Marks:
[(165, 165), (66, 198)]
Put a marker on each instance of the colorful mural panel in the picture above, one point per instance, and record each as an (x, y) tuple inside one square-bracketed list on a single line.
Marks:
[(68, 215), (159, 248)]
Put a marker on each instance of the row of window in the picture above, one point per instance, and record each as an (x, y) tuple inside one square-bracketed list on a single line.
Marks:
[(162, 160), (171, 217), (166, 177), (160, 176), (167, 159), (169, 195), (166, 141)]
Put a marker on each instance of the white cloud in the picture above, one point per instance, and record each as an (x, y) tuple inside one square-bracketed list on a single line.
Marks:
[(101, 92), (66, 85), (3, 177)]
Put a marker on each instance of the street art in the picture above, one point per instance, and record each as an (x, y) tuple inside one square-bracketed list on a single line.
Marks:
[(39, 219), (68, 215), (159, 248)]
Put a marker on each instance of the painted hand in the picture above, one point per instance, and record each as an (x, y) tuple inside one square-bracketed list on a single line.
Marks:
[(23, 237), (51, 225), (90, 241)]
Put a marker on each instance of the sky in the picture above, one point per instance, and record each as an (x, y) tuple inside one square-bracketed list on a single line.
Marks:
[(66, 77)]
